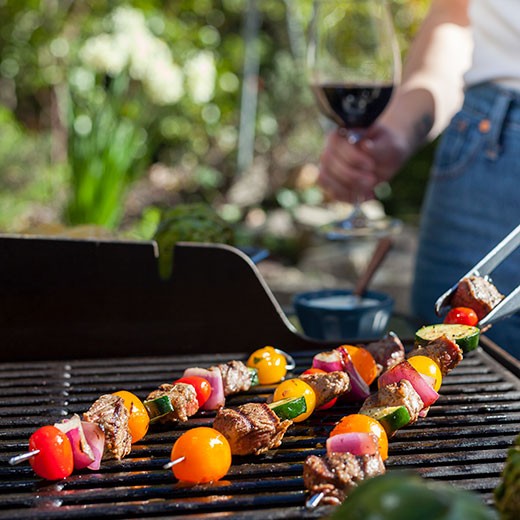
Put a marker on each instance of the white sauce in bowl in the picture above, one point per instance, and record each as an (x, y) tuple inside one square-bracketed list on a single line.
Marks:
[(342, 302)]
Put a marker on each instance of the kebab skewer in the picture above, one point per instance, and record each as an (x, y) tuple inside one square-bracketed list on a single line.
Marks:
[(404, 394), (115, 421), (254, 428)]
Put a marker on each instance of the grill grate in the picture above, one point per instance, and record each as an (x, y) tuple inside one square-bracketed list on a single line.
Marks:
[(463, 441)]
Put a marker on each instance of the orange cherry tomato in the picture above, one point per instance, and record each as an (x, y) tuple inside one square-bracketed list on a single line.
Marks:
[(201, 385), (314, 370), (271, 365), (363, 424), (364, 362), (55, 460), (462, 316), (428, 367), (139, 420), (296, 388), (207, 455)]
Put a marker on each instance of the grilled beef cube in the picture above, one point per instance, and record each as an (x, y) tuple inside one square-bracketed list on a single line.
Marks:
[(235, 377), (387, 352), (396, 394), (444, 351), (183, 398), (478, 294), (327, 386), (337, 474), (251, 428), (110, 414)]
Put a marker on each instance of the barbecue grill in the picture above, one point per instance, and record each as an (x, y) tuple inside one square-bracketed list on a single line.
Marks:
[(463, 440)]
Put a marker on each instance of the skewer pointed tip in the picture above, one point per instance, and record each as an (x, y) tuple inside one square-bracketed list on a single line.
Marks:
[(17, 459), (314, 500), (172, 463)]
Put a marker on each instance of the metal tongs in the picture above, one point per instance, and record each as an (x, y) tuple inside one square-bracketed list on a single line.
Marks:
[(510, 304)]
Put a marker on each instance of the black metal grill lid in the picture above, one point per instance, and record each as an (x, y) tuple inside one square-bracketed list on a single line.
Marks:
[(463, 441)]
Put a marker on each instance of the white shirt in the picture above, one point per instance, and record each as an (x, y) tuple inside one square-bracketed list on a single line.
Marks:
[(496, 35)]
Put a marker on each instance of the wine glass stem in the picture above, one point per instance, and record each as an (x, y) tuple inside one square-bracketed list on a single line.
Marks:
[(352, 136), (358, 215)]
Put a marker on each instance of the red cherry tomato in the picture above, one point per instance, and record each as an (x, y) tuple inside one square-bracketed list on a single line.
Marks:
[(313, 370), (201, 385), (462, 316), (55, 460)]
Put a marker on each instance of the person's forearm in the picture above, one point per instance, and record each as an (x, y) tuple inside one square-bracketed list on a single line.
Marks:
[(432, 86)]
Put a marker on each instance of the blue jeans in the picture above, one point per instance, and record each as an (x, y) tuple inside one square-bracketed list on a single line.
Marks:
[(472, 202)]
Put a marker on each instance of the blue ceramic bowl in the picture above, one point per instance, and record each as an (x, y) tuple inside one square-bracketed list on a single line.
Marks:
[(334, 314)]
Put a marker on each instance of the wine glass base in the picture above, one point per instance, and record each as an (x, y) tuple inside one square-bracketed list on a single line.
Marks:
[(361, 228)]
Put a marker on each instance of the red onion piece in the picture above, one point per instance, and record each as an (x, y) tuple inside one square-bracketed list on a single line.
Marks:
[(353, 442), (406, 371), (328, 361), (81, 450), (424, 412), (359, 390), (96, 438), (214, 377)]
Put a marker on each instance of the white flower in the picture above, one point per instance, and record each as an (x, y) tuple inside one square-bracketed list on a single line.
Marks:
[(201, 75), (142, 49), (128, 19), (133, 45), (103, 54), (164, 82)]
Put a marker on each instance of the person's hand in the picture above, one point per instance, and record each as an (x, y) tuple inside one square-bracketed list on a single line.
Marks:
[(351, 171)]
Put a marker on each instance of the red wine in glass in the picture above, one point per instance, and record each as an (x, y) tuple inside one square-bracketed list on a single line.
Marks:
[(352, 106)]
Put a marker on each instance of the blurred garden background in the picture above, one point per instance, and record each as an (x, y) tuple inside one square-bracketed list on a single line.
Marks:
[(112, 112)]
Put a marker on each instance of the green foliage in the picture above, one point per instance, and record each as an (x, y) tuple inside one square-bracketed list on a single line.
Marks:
[(188, 223), (400, 495), (507, 493), (116, 131), (22, 192)]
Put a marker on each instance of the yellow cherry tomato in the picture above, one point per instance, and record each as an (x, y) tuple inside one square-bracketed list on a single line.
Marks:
[(271, 365), (359, 423), (139, 420), (297, 388), (205, 453), (428, 367)]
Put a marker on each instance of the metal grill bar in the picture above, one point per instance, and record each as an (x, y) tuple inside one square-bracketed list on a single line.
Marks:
[(463, 440)]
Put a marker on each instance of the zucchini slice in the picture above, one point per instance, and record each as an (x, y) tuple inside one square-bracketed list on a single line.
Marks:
[(391, 418), (466, 336), (289, 408), (253, 376), (158, 407)]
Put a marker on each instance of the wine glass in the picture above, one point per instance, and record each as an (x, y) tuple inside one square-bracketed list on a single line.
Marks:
[(353, 64)]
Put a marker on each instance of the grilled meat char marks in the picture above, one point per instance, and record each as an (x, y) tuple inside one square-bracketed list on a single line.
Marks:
[(444, 351), (478, 294), (386, 352), (235, 377), (111, 415), (337, 474), (252, 428), (183, 398), (401, 393), (327, 386)]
